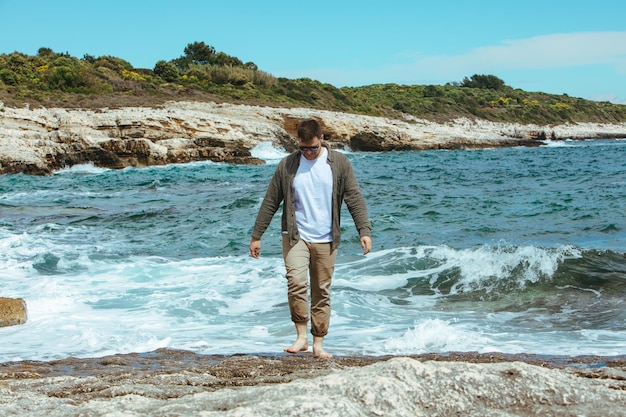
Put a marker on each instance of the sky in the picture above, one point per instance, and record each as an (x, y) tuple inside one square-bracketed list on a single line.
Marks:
[(571, 47)]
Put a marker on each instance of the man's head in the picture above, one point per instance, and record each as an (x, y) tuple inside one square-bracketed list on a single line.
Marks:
[(308, 130), (310, 138)]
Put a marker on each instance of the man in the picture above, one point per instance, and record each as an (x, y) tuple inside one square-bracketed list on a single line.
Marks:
[(312, 183)]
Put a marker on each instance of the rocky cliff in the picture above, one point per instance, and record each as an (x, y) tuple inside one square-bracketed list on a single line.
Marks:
[(39, 141)]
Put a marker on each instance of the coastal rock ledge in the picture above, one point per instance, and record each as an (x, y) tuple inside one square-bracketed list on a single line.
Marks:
[(40, 141), (301, 386), (12, 311)]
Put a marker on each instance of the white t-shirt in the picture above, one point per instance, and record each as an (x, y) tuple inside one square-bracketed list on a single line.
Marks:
[(313, 190)]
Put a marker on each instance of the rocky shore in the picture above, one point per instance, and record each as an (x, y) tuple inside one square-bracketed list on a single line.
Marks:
[(39, 141), (181, 383)]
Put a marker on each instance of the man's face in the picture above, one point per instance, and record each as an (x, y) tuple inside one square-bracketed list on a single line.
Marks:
[(311, 149)]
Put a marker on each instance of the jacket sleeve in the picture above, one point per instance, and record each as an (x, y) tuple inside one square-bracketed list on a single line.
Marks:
[(271, 202), (356, 202)]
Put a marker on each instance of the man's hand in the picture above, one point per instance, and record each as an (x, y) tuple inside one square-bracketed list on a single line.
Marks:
[(366, 244), (255, 248)]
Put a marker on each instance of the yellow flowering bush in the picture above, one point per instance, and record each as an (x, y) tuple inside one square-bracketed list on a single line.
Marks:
[(560, 106), (132, 75), (531, 102)]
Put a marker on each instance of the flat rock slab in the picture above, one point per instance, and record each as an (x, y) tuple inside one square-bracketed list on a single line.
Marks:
[(179, 383)]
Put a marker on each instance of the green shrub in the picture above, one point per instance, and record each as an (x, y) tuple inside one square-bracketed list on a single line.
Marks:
[(197, 72), (8, 77), (60, 78), (63, 61), (64, 78), (19, 64), (223, 75), (167, 71), (111, 62)]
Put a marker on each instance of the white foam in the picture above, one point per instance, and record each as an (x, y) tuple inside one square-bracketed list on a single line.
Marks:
[(485, 266), (88, 168), (435, 335), (267, 152), (237, 304), (559, 143)]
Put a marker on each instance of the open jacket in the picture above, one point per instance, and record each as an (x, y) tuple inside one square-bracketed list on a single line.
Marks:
[(345, 188)]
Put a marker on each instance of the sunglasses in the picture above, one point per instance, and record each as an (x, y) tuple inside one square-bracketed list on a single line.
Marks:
[(309, 148)]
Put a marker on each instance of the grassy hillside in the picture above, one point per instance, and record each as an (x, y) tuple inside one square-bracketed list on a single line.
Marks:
[(57, 79)]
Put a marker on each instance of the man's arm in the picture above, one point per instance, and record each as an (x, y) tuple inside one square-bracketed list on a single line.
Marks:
[(356, 204), (271, 202)]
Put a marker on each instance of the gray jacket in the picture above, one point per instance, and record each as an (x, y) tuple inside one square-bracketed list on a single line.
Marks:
[(345, 188)]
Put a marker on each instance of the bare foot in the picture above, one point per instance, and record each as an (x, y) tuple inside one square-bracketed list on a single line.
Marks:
[(321, 353), (298, 346)]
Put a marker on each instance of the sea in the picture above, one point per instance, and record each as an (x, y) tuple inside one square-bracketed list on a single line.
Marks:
[(512, 250)]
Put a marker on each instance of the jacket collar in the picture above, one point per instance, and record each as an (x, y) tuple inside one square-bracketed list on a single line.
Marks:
[(328, 152)]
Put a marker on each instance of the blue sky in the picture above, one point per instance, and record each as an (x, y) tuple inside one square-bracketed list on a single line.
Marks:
[(574, 47)]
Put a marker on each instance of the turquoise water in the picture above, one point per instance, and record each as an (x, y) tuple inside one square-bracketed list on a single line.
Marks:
[(511, 250)]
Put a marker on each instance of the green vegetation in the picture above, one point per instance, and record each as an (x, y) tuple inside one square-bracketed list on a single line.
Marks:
[(202, 73)]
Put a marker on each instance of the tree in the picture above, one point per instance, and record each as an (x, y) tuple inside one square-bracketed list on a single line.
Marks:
[(222, 59), (89, 58), (483, 81), (199, 52), (45, 52)]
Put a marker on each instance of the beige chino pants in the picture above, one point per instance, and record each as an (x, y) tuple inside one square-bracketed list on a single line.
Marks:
[(318, 261)]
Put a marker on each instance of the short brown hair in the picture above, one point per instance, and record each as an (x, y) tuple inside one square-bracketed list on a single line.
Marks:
[(308, 129)]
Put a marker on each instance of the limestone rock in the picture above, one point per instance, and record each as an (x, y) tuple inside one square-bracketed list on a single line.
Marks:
[(39, 141), (12, 311), (397, 387)]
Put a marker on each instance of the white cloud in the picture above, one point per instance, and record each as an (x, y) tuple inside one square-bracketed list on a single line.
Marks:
[(607, 97), (546, 51), (539, 52)]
